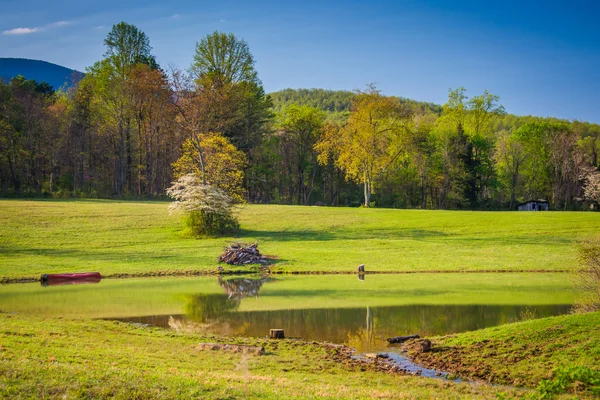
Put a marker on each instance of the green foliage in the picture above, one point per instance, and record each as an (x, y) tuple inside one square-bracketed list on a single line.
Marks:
[(299, 131), (370, 143), (228, 96), (126, 46), (570, 379), (223, 164), (208, 224), (118, 133), (335, 103), (225, 59), (329, 101)]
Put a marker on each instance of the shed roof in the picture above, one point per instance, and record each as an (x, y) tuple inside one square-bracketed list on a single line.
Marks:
[(533, 201)]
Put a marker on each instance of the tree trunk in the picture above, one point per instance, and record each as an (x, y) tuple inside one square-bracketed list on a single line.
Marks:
[(367, 189), (201, 159)]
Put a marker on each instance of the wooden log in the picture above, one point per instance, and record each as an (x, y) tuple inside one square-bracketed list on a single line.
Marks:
[(401, 339), (276, 334)]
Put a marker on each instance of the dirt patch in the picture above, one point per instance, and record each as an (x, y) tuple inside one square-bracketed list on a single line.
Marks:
[(234, 348), (416, 346)]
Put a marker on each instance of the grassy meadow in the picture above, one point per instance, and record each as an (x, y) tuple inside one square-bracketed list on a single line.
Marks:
[(59, 358), (67, 354), (112, 237), (62, 358)]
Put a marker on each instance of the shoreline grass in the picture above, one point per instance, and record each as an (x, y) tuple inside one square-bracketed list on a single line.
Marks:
[(136, 238)]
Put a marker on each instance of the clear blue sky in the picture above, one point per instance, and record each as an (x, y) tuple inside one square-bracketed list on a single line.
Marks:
[(540, 57)]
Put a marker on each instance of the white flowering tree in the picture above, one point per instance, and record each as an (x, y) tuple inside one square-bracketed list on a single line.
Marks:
[(591, 188), (208, 210)]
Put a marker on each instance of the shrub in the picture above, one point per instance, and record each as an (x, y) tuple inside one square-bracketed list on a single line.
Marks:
[(208, 210)]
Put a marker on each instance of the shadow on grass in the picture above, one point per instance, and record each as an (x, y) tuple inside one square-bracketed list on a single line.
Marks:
[(339, 293), (107, 254), (314, 235), (423, 235)]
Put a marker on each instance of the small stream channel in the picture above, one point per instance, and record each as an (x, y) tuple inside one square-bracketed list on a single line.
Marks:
[(404, 364)]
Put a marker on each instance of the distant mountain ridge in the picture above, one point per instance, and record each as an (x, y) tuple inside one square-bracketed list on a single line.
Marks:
[(56, 75)]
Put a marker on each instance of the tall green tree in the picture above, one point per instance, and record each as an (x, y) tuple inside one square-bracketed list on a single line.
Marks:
[(301, 128), (510, 158), (473, 140), (126, 46), (554, 164), (224, 59), (223, 70)]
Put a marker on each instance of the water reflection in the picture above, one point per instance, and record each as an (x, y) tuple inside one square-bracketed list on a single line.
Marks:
[(363, 328), (214, 309), (242, 287)]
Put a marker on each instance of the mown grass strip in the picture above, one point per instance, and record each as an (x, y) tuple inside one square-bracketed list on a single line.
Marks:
[(133, 238)]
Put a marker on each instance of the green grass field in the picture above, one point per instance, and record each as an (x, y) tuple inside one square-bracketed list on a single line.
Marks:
[(63, 358), (51, 358), (59, 357), (140, 237)]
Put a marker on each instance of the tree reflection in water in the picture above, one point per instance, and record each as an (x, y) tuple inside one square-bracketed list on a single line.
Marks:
[(207, 307), (365, 328), (242, 287)]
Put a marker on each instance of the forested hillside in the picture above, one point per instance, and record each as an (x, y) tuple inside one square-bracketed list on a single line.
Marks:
[(335, 103), (129, 128)]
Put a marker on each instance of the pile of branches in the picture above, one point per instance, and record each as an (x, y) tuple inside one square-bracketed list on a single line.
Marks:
[(243, 254)]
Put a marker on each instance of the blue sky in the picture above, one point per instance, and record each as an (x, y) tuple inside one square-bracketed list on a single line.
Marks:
[(540, 57)]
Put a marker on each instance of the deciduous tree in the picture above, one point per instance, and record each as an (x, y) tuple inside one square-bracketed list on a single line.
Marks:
[(370, 143)]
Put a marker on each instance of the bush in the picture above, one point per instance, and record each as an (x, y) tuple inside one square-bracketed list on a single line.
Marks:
[(208, 210)]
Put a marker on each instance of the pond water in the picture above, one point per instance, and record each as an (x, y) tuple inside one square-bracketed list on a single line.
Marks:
[(359, 311)]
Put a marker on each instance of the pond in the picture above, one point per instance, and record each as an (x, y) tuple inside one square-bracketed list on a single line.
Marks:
[(361, 312)]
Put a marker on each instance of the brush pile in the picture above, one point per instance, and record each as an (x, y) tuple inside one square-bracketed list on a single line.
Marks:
[(243, 254)]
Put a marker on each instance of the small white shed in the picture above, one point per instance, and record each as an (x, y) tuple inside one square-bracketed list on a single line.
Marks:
[(534, 205)]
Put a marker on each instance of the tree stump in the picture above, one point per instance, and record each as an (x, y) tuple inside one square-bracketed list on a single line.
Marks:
[(276, 334)]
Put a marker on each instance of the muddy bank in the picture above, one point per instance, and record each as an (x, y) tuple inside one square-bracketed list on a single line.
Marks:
[(452, 359)]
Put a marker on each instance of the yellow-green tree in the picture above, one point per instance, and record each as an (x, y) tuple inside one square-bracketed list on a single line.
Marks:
[(372, 141), (223, 164)]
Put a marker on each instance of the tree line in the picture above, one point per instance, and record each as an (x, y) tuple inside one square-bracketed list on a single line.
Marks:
[(130, 127)]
